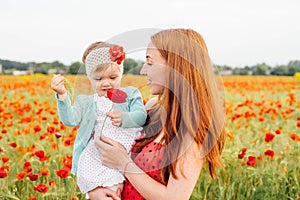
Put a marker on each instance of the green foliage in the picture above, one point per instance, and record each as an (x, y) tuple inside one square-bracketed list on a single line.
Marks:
[(76, 68), (260, 69), (129, 64), (69, 87), (132, 66), (7, 64)]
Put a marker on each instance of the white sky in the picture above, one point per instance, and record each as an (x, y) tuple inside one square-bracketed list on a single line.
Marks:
[(237, 32)]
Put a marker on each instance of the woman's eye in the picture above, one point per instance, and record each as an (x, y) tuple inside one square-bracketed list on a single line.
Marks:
[(150, 64)]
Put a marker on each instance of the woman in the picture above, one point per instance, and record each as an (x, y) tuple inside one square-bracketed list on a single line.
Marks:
[(184, 127)]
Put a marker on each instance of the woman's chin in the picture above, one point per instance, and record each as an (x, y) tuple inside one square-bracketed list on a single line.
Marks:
[(154, 90)]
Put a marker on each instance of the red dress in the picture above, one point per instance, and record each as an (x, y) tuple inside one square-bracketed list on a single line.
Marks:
[(148, 160)]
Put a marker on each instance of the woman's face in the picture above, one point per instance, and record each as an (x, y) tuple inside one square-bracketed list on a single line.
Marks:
[(155, 70)]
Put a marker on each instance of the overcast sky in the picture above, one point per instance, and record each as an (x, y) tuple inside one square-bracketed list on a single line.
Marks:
[(237, 32)]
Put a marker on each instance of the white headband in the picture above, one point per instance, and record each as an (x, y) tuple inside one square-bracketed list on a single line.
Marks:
[(103, 55)]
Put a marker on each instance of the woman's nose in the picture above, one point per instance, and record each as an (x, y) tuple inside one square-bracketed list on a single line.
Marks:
[(144, 70)]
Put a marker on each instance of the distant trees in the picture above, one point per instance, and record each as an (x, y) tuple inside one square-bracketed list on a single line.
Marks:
[(262, 69), (132, 66), (7, 64), (76, 68)]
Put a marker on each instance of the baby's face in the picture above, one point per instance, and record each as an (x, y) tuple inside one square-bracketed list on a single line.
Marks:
[(107, 79)]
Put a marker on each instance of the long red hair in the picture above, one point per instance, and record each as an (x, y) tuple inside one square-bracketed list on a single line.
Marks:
[(190, 108)]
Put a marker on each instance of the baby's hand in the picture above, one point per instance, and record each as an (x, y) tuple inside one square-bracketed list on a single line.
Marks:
[(57, 84), (116, 117)]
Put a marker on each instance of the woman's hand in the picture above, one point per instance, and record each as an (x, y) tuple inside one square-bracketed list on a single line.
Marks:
[(105, 194), (113, 154)]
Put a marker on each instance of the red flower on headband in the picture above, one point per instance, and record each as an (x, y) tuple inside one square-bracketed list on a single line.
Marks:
[(117, 96), (117, 54)]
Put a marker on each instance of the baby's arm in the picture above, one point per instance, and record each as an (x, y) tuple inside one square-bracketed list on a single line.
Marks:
[(136, 116), (69, 115)]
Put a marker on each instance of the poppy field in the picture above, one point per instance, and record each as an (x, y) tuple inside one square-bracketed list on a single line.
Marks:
[(261, 155)]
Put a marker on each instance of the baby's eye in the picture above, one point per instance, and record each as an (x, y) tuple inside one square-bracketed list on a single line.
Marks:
[(113, 77)]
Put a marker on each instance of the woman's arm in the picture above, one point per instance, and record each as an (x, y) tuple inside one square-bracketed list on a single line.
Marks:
[(180, 188)]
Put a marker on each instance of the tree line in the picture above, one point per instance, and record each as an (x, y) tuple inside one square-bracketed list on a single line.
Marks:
[(132, 66), (262, 69)]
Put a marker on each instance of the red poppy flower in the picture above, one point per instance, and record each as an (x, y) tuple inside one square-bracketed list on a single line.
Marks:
[(117, 96), (21, 175), (4, 131), (278, 131), (117, 54), (3, 173), (52, 112), (244, 149), (62, 173), (241, 155), (251, 161), (27, 166), (39, 111), (13, 144), (43, 159), (50, 129), (294, 137), (45, 172), (37, 128), (55, 121), (269, 137), (5, 159), (41, 188), (52, 182), (44, 118), (40, 153), (32, 177), (269, 153), (32, 198), (68, 142), (26, 120)]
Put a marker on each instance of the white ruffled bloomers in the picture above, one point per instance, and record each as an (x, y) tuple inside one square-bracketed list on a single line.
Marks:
[(90, 172)]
